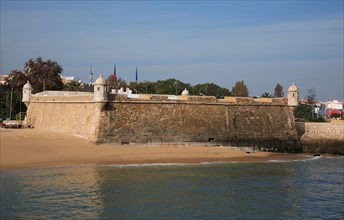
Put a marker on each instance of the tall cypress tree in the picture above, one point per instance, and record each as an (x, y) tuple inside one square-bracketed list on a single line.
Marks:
[(278, 90)]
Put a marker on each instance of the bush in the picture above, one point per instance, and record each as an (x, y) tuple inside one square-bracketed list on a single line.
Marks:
[(305, 112)]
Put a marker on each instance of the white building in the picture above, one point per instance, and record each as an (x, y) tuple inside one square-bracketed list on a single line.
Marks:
[(68, 79), (330, 108), (3, 78)]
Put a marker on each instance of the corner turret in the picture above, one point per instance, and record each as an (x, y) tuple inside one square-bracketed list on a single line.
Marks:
[(100, 90), (293, 95), (27, 92)]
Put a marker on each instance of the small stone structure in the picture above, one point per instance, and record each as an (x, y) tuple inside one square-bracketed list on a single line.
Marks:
[(27, 92), (100, 90), (293, 95), (106, 117), (185, 92)]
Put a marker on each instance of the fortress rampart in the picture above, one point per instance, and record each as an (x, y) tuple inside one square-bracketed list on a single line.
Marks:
[(77, 118), (103, 117), (131, 118), (245, 122)]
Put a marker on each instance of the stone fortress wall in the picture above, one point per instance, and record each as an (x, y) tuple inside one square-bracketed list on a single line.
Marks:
[(103, 117), (77, 118), (321, 137), (171, 119), (72, 112)]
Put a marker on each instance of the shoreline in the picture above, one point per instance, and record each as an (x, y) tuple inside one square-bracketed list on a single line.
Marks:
[(34, 148)]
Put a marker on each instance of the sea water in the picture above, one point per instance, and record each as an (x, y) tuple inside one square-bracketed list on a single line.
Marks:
[(308, 189)]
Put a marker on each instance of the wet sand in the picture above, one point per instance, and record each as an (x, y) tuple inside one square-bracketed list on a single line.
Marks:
[(28, 148)]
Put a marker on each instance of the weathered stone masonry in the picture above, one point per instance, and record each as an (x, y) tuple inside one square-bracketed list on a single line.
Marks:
[(322, 137), (260, 125), (102, 117), (79, 119)]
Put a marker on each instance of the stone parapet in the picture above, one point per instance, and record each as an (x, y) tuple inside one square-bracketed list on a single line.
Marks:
[(196, 99), (63, 93), (62, 96), (61, 99)]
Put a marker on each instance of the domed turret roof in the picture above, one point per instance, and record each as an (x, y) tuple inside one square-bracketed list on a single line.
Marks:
[(100, 80), (27, 85), (293, 88), (185, 92)]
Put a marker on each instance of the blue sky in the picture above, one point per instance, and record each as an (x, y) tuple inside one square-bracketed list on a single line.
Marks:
[(260, 42)]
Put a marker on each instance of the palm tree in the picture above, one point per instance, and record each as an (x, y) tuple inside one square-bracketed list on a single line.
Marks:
[(73, 86), (266, 95)]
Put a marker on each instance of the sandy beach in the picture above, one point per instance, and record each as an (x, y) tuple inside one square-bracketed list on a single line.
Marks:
[(27, 148)]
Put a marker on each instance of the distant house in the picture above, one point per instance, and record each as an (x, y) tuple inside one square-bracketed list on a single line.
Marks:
[(3, 78), (331, 108), (68, 79)]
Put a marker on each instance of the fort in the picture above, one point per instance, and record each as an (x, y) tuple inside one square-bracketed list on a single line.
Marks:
[(121, 118)]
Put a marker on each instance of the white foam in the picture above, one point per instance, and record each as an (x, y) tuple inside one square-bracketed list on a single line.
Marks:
[(210, 163), (307, 158), (149, 165), (279, 161)]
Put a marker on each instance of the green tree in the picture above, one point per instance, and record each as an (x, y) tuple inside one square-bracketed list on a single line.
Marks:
[(311, 96), (171, 86), (116, 83), (145, 87), (17, 80), (266, 95), (305, 112), (11, 94), (278, 90), (10, 102), (43, 75), (73, 86), (174, 86), (240, 89), (4, 100), (210, 89)]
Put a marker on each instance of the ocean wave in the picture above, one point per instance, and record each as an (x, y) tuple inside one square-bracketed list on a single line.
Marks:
[(307, 158), (144, 165), (147, 165), (220, 162), (205, 163), (279, 161)]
